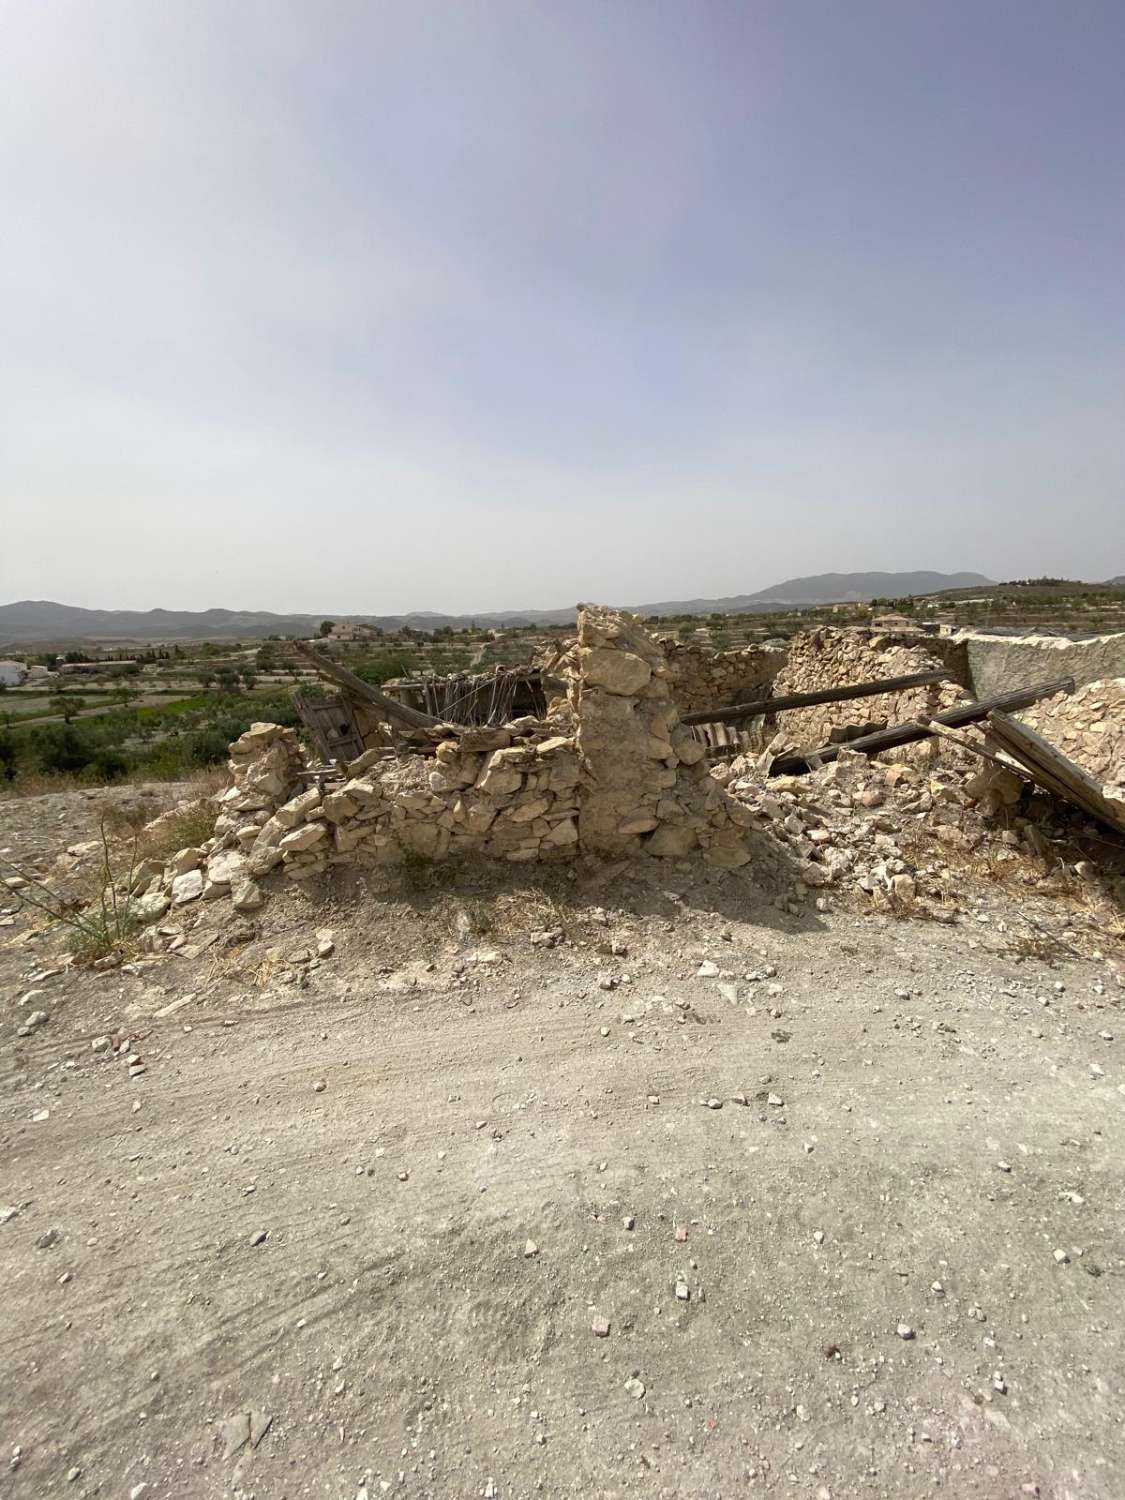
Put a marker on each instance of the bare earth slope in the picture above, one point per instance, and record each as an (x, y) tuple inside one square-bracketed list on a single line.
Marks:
[(895, 1270)]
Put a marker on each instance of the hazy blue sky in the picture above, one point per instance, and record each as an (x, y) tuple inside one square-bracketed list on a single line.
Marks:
[(365, 307)]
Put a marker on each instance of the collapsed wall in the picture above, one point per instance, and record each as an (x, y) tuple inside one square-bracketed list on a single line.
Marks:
[(832, 657), (701, 679), (1089, 726), (610, 770)]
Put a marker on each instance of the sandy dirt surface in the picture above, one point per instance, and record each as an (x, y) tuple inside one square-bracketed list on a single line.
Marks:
[(686, 1197)]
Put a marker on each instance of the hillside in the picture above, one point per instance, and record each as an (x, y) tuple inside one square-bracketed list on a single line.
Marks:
[(45, 620)]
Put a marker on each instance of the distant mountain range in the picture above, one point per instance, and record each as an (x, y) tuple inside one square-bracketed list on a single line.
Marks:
[(32, 620)]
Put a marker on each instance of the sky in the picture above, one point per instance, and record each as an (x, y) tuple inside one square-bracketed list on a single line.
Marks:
[(496, 304)]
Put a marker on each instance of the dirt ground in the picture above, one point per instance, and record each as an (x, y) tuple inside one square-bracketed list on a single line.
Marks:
[(624, 1184)]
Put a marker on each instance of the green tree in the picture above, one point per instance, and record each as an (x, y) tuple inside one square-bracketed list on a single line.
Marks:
[(326, 627), (67, 706)]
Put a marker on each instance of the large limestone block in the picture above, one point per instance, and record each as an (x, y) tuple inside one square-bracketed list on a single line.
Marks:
[(303, 838), (297, 809), (619, 672)]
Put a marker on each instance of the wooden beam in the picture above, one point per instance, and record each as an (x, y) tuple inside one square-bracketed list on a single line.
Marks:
[(397, 713), (905, 734), (735, 711), (1055, 771)]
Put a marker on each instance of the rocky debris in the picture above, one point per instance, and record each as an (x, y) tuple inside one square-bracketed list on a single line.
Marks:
[(902, 831)]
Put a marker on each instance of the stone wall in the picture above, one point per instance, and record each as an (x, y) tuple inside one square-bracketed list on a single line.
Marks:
[(837, 658), (1089, 726), (646, 785), (702, 679), (998, 663), (610, 771)]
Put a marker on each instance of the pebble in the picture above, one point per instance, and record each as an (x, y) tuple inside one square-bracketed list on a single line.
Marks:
[(319, 1086), (1061, 1257), (683, 1292), (905, 1331), (260, 1237), (600, 1327), (628, 1221), (635, 1387), (714, 1103), (530, 1250), (776, 1100)]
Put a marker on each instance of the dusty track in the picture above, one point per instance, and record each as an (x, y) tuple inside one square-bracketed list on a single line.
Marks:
[(393, 1327)]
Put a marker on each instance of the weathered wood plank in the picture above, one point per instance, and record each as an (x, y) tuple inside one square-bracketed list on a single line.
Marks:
[(911, 730), (735, 711), (1056, 771)]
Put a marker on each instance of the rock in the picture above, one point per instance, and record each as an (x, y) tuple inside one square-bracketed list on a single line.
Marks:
[(599, 1327), (152, 907), (304, 837), (683, 1292), (48, 1238), (246, 894), (185, 861), (187, 887), (618, 672), (235, 1433), (905, 1331), (635, 1387), (530, 1250), (259, 1238), (225, 867), (36, 1019), (707, 970)]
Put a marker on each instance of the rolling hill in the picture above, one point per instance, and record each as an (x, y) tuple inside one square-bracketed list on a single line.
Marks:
[(30, 620)]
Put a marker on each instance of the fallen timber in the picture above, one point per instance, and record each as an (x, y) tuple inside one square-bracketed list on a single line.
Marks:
[(736, 711), (394, 711), (1055, 771), (912, 730)]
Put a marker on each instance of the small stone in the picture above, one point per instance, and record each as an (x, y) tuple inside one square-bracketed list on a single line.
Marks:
[(776, 1100), (47, 1239), (707, 970), (818, 1236), (1003, 1166), (635, 1387), (72, 1474), (1061, 1257), (714, 1103), (530, 1250), (599, 1327), (683, 1292), (681, 1234), (905, 1331), (319, 1086), (628, 1221), (260, 1237)]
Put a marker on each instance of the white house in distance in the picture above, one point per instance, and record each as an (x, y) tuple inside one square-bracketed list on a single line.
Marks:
[(12, 673)]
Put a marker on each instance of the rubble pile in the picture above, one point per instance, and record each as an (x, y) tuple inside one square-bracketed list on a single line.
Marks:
[(861, 824), (700, 679), (1089, 726), (828, 658)]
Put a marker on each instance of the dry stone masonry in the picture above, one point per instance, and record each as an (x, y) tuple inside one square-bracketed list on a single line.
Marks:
[(1089, 726), (702, 680), (610, 770), (837, 657)]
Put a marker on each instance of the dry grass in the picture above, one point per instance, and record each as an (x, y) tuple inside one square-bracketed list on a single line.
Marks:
[(101, 925), (184, 828)]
